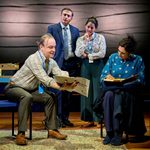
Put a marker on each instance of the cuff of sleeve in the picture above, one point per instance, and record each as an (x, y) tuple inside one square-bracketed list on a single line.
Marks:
[(51, 82), (90, 56)]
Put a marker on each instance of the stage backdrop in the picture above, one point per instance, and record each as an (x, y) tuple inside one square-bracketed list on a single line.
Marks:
[(22, 22)]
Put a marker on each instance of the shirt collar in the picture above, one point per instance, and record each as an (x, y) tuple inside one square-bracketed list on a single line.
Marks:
[(130, 58), (62, 26), (42, 55), (93, 36)]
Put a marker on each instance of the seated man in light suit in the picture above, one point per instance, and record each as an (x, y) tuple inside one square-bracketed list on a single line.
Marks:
[(23, 88)]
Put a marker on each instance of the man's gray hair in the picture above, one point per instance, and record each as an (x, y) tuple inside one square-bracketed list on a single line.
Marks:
[(42, 39)]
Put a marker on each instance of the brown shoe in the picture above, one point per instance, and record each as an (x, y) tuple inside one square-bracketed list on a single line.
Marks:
[(87, 125), (56, 134), (98, 125), (20, 139)]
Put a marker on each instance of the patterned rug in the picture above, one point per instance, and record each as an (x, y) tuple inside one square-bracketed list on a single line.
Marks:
[(77, 140)]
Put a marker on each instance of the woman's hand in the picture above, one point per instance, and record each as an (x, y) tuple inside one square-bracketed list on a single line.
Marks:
[(87, 37), (110, 77), (84, 55)]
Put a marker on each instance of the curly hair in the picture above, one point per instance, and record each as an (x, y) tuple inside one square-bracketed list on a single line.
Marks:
[(128, 43)]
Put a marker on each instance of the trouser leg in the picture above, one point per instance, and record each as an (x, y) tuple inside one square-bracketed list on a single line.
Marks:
[(24, 99), (23, 112), (108, 104), (49, 103), (59, 104), (118, 116), (66, 101)]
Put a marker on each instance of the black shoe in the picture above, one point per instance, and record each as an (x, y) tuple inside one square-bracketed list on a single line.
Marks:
[(62, 125), (68, 123), (107, 140), (116, 140)]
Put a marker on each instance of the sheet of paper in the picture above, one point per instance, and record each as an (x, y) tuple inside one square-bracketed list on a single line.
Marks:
[(81, 88)]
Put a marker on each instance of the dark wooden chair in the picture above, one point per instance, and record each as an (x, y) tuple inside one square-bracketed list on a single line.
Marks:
[(97, 108)]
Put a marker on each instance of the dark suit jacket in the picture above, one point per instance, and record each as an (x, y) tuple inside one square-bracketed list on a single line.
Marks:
[(56, 32)]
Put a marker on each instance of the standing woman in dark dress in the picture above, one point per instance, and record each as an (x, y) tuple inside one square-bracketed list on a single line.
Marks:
[(91, 48), (121, 104)]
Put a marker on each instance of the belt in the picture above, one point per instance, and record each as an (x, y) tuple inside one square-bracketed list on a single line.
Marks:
[(11, 83)]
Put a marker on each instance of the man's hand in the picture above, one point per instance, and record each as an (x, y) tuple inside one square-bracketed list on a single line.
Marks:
[(67, 85), (74, 84), (55, 85)]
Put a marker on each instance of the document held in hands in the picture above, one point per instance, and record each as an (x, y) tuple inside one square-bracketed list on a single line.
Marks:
[(120, 80), (81, 88)]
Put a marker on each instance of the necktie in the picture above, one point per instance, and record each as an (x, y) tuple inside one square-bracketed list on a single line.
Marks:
[(46, 65), (41, 87), (65, 43)]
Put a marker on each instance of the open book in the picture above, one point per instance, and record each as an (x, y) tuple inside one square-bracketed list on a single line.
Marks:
[(81, 88), (121, 80)]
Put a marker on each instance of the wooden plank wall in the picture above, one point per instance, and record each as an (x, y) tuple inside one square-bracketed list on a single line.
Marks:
[(22, 22)]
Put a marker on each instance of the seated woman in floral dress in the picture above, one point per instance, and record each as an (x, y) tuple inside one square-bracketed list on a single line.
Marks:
[(122, 106)]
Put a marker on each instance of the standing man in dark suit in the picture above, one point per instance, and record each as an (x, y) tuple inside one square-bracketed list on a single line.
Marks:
[(65, 36)]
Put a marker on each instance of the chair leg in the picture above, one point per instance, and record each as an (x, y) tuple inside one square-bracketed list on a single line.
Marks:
[(30, 125), (13, 123), (101, 123)]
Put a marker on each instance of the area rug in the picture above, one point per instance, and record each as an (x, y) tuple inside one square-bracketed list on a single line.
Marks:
[(77, 140)]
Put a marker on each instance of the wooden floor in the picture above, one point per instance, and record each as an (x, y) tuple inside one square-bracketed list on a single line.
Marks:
[(5, 123)]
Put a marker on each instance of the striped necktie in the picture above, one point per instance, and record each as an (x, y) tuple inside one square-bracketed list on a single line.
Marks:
[(65, 43), (46, 65), (41, 87)]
